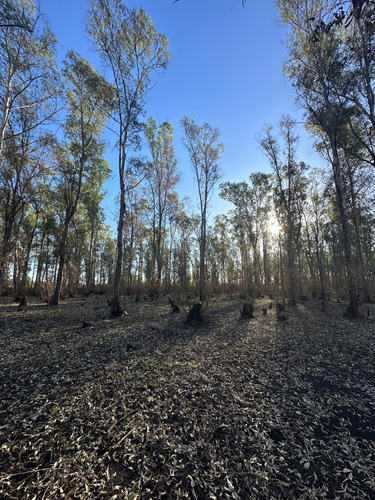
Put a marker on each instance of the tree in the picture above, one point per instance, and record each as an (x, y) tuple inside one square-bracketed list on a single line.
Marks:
[(185, 228), (252, 203), (87, 94), (355, 84), (289, 193), (92, 196), (13, 14), (205, 153), (23, 165), (316, 226), (162, 178), (313, 69), (28, 79), (132, 49)]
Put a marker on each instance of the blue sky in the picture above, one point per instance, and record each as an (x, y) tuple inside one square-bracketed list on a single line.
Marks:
[(226, 70)]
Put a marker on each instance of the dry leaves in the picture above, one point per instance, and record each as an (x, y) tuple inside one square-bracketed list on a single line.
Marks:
[(146, 407)]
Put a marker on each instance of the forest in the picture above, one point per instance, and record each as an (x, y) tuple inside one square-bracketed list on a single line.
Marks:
[(181, 355)]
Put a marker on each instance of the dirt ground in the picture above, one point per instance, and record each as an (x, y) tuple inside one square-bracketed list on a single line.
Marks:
[(146, 407)]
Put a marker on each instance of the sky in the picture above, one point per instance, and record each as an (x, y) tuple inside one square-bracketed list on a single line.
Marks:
[(226, 70)]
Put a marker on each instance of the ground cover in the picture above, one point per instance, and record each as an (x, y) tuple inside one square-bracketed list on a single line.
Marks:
[(147, 407)]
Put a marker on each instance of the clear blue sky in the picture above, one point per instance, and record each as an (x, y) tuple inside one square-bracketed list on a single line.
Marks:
[(226, 70)]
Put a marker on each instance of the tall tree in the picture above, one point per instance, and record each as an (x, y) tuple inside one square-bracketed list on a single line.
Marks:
[(87, 95), (162, 177), (289, 192), (205, 151), (252, 203), (132, 49), (313, 66), (22, 167), (92, 196)]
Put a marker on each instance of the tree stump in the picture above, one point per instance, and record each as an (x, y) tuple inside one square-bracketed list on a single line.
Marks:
[(116, 310), (23, 302), (175, 308), (247, 310), (195, 315)]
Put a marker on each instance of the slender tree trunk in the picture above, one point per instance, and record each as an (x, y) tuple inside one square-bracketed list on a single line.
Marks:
[(291, 263), (61, 264), (159, 260), (116, 309), (39, 270), (11, 209), (358, 239), (25, 269), (6, 112), (15, 271), (90, 264), (353, 308), (202, 263), (129, 279)]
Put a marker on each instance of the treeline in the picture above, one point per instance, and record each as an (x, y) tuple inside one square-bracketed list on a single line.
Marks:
[(294, 232)]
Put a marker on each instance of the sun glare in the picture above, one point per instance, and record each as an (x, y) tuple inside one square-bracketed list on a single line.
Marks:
[(274, 227)]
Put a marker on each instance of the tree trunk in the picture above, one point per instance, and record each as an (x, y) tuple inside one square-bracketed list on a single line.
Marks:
[(61, 264), (353, 307), (202, 252), (38, 277), (291, 263), (195, 315), (25, 269), (116, 309)]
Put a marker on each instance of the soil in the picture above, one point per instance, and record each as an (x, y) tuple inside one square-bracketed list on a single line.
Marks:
[(146, 406)]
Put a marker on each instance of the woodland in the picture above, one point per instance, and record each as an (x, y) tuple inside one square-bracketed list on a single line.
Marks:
[(184, 356)]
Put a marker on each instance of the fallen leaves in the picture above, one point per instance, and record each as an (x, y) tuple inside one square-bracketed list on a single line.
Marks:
[(226, 410)]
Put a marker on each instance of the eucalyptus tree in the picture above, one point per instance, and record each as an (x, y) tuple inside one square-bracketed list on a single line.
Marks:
[(92, 196), (289, 193), (205, 151), (174, 210), (23, 168), (132, 49), (314, 65), (78, 157), (359, 181), (28, 77), (137, 208), (107, 257), (162, 177), (354, 86), (13, 15), (219, 255), (253, 202), (45, 238), (25, 240), (186, 227), (315, 228)]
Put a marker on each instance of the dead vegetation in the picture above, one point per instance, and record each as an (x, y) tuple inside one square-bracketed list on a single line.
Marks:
[(147, 407)]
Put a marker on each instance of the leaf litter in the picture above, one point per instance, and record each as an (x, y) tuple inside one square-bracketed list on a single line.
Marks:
[(146, 407)]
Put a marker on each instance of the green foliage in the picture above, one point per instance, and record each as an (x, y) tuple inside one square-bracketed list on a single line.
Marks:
[(28, 78), (133, 50)]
